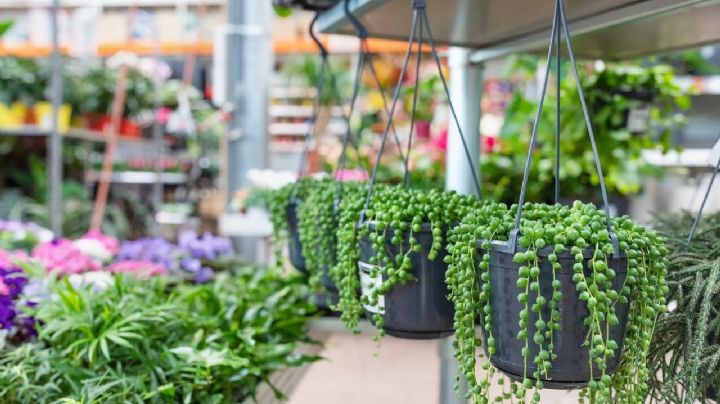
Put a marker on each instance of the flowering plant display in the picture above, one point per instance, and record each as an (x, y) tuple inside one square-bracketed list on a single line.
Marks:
[(194, 255), (15, 235), (64, 256)]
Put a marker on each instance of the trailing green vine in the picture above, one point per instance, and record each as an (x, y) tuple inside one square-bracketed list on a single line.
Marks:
[(395, 217), (317, 221), (546, 232), (685, 350)]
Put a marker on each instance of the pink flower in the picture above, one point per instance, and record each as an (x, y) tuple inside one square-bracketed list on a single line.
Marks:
[(351, 174), (4, 289), (145, 268), (109, 242), (440, 141), (62, 256), (7, 258)]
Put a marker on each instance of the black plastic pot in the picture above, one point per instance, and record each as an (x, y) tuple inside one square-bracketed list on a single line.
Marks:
[(420, 308), (712, 394), (571, 368), (322, 300), (294, 243)]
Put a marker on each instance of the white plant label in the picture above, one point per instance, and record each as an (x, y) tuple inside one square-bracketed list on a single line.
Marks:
[(714, 154), (367, 283), (638, 120)]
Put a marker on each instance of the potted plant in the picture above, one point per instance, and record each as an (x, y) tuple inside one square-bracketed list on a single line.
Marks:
[(564, 307), (685, 345), (304, 214), (390, 261)]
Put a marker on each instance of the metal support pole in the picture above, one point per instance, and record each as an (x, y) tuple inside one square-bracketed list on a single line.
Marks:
[(55, 168), (466, 87), (249, 67), (449, 373)]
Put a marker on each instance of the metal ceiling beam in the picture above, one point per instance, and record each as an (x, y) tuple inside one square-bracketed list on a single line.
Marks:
[(588, 25), (602, 29)]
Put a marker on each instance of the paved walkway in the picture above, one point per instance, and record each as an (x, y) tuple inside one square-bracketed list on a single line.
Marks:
[(357, 371)]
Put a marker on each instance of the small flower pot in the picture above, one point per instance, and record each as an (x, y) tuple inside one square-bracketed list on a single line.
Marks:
[(571, 368), (420, 308)]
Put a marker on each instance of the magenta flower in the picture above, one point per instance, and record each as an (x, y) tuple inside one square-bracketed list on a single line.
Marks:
[(351, 174), (144, 268), (62, 256)]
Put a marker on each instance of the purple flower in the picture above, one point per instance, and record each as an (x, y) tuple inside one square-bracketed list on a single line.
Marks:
[(204, 275), (153, 249), (206, 247), (14, 281), (191, 264)]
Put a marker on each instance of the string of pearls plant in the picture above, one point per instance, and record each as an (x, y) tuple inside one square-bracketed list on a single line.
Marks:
[(573, 229), (396, 214), (317, 221)]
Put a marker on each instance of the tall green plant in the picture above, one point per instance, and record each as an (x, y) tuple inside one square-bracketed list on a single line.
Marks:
[(611, 94)]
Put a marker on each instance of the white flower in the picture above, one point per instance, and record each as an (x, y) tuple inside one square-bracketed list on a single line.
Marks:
[(99, 281), (93, 249)]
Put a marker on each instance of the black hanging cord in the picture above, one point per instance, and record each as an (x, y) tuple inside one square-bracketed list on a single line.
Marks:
[(433, 51), (560, 22), (406, 178), (419, 18), (316, 102), (702, 207), (364, 50), (558, 78)]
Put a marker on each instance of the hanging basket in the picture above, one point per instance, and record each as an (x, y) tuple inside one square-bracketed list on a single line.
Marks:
[(295, 247), (294, 244), (420, 308), (571, 369)]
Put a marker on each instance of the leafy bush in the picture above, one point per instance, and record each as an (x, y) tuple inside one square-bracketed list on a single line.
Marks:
[(139, 341), (611, 94)]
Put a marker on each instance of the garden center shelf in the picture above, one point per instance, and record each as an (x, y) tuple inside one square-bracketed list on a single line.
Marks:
[(74, 133), (139, 177), (603, 29)]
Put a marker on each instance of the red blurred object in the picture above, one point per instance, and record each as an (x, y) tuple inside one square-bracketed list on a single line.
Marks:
[(129, 128), (490, 143), (97, 122)]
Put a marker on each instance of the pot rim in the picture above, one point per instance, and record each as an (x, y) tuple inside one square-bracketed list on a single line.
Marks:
[(500, 247)]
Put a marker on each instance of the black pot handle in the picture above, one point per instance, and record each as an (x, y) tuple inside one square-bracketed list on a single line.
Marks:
[(420, 20), (560, 22), (364, 58), (693, 229)]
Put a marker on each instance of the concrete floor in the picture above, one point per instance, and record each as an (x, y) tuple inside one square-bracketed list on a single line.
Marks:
[(357, 371)]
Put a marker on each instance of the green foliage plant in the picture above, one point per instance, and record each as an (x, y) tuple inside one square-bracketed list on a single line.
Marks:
[(611, 94), (685, 350), (140, 341), (574, 229)]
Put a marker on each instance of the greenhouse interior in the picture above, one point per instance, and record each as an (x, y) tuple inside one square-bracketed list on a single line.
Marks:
[(359, 201)]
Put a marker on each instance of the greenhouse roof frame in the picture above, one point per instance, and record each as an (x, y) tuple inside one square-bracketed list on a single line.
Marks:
[(603, 29)]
